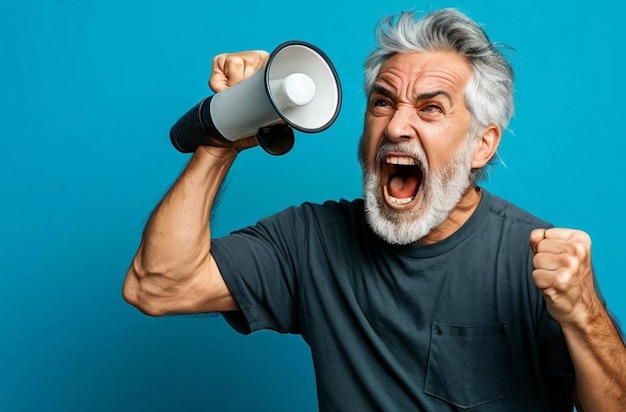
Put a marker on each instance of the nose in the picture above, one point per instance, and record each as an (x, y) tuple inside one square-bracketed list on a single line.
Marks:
[(402, 125)]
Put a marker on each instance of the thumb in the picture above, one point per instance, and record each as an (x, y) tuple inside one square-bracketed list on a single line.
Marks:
[(245, 143), (536, 236)]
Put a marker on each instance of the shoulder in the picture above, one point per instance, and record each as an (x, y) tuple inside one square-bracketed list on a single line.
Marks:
[(507, 226), (330, 210), (511, 214), (334, 220), (314, 216)]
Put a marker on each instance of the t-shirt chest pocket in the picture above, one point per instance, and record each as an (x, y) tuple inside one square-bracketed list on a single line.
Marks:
[(468, 365)]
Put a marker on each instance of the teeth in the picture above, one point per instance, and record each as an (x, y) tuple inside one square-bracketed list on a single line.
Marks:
[(401, 160), (400, 202)]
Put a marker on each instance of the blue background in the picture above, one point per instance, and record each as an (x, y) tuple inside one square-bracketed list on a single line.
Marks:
[(88, 92)]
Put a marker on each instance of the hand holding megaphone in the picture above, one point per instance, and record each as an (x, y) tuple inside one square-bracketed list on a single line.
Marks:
[(296, 88), (232, 68)]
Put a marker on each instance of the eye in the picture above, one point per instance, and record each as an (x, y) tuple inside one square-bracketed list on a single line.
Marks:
[(432, 108), (380, 105)]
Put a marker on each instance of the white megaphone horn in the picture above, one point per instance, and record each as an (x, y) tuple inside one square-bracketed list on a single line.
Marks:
[(298, 88)]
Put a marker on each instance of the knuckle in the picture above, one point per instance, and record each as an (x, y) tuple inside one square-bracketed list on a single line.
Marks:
[(582, 252), (235, 61), (571, 248), (571, 260), (218, 61), (582, 237), (563, 280)]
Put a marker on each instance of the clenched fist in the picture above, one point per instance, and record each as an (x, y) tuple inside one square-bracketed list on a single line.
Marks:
[(563, 272), (231, 68), (228, 70)]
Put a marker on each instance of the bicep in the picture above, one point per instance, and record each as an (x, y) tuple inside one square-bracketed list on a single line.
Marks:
[(206, 292)]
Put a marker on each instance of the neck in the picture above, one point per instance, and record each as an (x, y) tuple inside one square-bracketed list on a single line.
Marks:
[(459, 215)]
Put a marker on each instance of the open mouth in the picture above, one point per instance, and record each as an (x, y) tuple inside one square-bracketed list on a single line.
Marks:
[(402, 177)]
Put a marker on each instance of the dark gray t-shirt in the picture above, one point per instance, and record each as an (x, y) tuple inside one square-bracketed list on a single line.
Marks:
[(449, 326)]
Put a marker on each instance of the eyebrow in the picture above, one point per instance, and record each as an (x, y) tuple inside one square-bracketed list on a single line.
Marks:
[(430, 95), (377, 88)]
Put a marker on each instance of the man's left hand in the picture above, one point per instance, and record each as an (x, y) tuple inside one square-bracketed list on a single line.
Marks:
[(563, 272)]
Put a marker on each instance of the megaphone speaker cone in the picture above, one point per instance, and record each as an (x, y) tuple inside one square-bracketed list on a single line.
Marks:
[(305, 67)]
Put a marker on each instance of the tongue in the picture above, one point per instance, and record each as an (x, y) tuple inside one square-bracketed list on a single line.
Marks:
[(403, 187)]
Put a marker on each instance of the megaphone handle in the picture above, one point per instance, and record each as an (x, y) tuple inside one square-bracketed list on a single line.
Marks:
[(187, 133), (195, 128), (277, 139)]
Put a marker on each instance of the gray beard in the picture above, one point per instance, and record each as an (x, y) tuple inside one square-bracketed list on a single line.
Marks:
[(441, 192)]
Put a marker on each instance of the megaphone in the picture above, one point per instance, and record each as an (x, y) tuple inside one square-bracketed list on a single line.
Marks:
[(297, 89)]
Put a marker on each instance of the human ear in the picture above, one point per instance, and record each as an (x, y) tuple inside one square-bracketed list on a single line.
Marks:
[(487, 145)]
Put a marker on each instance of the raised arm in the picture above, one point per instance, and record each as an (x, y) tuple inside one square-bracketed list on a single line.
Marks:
[(564, 273), (173, 270)]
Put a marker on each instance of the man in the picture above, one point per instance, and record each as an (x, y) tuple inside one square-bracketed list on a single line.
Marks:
[(428, 294)]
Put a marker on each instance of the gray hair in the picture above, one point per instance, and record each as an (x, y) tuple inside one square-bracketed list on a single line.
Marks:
[(489, 92)]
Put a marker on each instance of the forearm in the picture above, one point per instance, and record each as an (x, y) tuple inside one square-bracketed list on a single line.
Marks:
[(599, 356), (178, 233), (173, 270)]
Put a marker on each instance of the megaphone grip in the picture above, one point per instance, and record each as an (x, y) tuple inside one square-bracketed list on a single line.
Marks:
[(187, 133), (195, 128)]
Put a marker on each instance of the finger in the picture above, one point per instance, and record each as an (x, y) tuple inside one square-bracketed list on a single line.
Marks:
[(570, 235), (218, 80), (240, 66), (536, 236), (557, 270), (248, 71), (542, 278), (257, 58), (246, 143), (548, 261), (554, 255), (555, 246), (566, 250), (232, 68), (560, 280)]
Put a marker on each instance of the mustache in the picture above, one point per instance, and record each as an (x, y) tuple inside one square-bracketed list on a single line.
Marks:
[(412, 149)]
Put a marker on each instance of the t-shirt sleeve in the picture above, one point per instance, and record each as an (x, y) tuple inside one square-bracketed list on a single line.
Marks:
[(258, 264)]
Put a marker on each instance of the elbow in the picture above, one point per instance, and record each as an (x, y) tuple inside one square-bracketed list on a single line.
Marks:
[(146, 306), (163, 290), (136, 291)]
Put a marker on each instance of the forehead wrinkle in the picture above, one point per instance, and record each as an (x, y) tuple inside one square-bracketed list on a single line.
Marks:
[(430, 73), (382, 90), (420, 87)]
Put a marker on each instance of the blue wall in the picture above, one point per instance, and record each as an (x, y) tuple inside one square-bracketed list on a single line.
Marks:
[(88, 92)]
